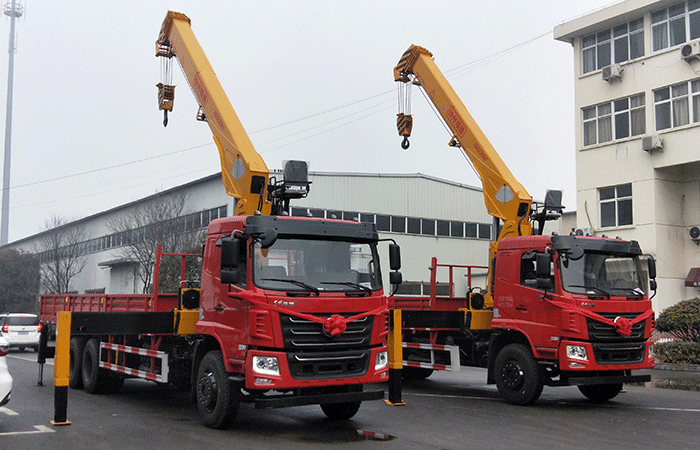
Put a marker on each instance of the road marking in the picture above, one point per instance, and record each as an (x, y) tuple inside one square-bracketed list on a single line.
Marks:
[(8, 411), (38, 429)]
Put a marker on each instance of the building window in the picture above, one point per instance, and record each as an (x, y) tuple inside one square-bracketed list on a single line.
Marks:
[(619, 44), (674, 26), (428, 227), (615, 206), (597, 124), (413, 225), (484, 231), (398, 224), (677, 105), (383, 223), (625, 117), (456, 229), (470, 230)]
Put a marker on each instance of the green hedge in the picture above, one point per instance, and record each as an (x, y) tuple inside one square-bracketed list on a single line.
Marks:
[(677, 352), (681, 320)]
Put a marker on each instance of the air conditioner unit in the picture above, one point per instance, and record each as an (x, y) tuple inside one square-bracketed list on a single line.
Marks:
[(611, 72), (653, 142), (690, 51)]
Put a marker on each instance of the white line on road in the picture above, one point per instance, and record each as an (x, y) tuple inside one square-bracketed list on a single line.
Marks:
[(23, 358), (8, 411), (38, 429)]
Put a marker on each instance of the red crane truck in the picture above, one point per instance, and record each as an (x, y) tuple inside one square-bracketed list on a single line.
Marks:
[(290, 310), (556, 311)]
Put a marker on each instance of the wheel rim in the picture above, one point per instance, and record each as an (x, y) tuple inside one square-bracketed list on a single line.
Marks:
[(207, 390), (513, 375)]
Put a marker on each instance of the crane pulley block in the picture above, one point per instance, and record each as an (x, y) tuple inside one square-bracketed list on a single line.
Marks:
[(166, 96)]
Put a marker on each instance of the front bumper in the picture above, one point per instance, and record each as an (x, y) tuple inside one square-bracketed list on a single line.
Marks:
[(287, 379)]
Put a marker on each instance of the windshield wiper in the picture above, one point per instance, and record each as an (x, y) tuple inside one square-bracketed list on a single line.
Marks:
[(600, 291), (364, 289), (633, 292), (308, 287)]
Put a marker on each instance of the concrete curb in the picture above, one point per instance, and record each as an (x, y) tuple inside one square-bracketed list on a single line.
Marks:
[(676, 376)]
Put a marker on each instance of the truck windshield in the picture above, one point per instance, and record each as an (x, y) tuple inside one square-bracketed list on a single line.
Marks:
[(315, 265), (604, 275)]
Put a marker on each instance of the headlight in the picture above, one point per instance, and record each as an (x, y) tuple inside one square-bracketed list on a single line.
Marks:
[(267, 365), (381, 361), (576, 352)]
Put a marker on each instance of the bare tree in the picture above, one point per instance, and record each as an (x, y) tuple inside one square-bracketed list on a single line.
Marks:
[(62, 249), (19, 281), (157, 221)]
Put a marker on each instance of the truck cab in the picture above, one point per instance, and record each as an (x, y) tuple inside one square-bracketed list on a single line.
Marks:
[(580, 304)]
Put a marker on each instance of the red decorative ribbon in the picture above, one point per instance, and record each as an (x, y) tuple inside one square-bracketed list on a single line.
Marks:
[(622, 325), (335, 325)]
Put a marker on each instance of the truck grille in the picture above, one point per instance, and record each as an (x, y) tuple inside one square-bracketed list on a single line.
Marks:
[(619, 352), (311, 353), (601, 332), (611, 348)]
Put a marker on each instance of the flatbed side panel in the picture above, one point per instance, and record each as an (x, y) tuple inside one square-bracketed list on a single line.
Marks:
[(428, 303), (94, 323), (51, 305), (433, 319)]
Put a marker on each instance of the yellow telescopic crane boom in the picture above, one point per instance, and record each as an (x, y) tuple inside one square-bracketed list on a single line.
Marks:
[(245, 174), (505, 198)]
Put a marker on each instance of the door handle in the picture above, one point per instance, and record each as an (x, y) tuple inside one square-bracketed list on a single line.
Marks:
[(521, 308), (218, 308)]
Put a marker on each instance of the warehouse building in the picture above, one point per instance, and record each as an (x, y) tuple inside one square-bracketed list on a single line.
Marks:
[(428, 217)]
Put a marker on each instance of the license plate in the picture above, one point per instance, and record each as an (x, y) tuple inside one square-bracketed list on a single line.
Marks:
[(23, 333)]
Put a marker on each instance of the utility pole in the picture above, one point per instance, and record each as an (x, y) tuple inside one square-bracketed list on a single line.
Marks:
[(14, 11)]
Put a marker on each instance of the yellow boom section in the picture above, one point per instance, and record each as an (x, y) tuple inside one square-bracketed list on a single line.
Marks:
[(243, 170), (505, 197)]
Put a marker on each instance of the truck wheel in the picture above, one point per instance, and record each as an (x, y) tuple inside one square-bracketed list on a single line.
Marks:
[(601, 392), (94, 378), (75, 375), (518, 376), (340, 411), (217, 397)]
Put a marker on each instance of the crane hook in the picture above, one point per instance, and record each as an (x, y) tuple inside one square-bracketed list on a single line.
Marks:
[(165, 117), (405, 144)]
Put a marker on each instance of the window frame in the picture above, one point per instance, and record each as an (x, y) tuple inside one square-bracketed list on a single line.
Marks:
[(663, 22), (669, 99), (617, 201), (607, 117), (603, 46)]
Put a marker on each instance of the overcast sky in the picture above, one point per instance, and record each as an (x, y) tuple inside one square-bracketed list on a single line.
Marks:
[(309, 80)]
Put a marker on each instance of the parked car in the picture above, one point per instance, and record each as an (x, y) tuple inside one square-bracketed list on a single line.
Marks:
[(5, 377), (21, 330)]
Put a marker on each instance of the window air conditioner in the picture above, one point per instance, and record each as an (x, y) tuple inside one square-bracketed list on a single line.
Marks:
[(690, 51), (613, 71), (653, 142)]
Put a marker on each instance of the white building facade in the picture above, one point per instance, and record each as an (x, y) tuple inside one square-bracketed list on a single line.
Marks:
[(637, 106)]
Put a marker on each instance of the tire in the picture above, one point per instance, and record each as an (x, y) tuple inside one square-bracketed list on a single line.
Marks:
[(218, 398), (75, 373), (340, 411), (518, 377), (94, 378), (415, 373), (601, 392)]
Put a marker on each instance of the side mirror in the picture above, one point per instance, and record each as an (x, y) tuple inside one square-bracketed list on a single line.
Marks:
[(652, 267), (394, 257), (575, 253), (268, 238), (543, 264), (395, 278), (230, 251)]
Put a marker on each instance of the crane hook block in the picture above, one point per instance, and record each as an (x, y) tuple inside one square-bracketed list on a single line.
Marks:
[(405, 144), (165, 117)]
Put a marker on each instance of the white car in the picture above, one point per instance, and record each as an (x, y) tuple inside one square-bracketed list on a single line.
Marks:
[(5, 377), (21, 330)]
